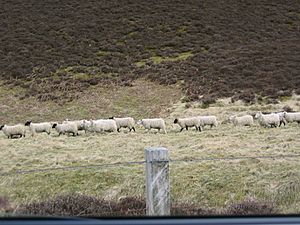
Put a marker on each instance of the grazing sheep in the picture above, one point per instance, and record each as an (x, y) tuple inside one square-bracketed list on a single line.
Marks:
[(157, 123), (188, 122), (281, 118), (292, 117), (63, 128), (208, 120), (39, 127), (11, 131), (104, 125), (126, 122), (269, 120), (246, 120)]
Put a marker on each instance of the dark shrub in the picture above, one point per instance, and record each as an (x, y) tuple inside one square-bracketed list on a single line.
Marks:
[(191, 210), (207, 100), (287, 108), (5, 205), (83, 205), (246, 96), (250, 207)]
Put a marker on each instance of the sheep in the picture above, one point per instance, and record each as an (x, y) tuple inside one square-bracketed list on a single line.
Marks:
[(87, 126), (292, 117), (126, 122), (39, 127), (269, 120), (246, 120), (11, 131), (208, 120), (63, 128), (281, 118), (188, 122), (156, 123), (103, 125), (79, 123)]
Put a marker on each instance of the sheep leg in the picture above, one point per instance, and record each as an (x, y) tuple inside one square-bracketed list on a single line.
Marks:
[(133, 129), (211, 126), (200, 128), (196, 128), (186, 127), (181, 129), (118, 129)]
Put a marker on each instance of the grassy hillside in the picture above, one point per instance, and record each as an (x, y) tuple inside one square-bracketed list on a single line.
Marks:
[(207, 184), (95, 59), (142, 99), (53, 49)]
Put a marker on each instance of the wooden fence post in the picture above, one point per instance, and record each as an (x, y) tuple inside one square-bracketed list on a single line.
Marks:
[(157, 181)]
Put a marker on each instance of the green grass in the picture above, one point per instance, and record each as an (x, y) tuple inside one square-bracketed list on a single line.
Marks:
[(182, 29), (158, 59), (102, 53)]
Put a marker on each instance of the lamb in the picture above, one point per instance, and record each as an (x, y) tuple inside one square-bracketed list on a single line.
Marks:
[(103, 125), (188, 122), (63, 128), (269, 120), (208, 120), (39, 127), (11, 131), (126, 122), (156, 123), (246, 120), (292, 117)]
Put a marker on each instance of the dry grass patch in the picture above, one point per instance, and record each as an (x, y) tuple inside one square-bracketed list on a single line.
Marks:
[(143, 99), (207, 183)]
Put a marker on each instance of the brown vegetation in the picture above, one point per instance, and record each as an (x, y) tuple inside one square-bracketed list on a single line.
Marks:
[(55, 49), (83, 205)]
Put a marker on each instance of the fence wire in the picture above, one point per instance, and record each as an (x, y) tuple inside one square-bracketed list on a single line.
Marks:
[(118, 164)]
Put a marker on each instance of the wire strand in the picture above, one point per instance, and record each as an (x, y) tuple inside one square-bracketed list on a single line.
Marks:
[(143, 162)]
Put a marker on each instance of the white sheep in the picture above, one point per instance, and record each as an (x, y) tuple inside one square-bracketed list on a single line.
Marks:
[(188, 122), (39, 127), (87, 126), (292, 117), (64, 128), (268, 120), (208, 120), (125, 122), (281, 118), (103, 125), (156, 123), (79, 123), (246, 120), (11, 131)]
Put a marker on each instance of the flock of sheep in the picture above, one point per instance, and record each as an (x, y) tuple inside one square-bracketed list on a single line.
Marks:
[(115, 124)]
